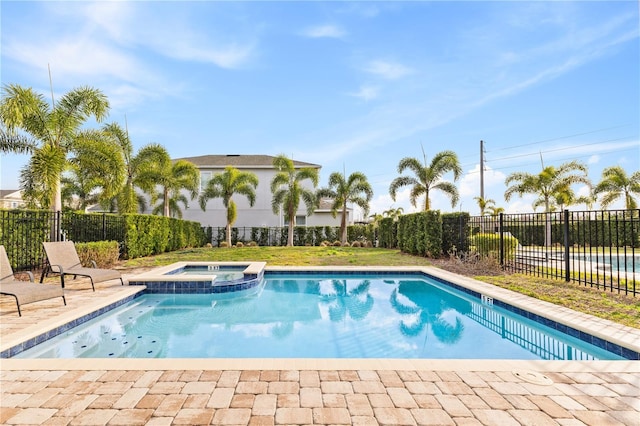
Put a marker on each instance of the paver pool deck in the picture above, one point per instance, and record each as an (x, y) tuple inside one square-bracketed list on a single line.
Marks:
[(304, 391)]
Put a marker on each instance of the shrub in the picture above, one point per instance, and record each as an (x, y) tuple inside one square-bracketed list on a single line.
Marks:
[(356, 244), (346, 244), (223, 244), (252, 244), (104, 253), (488, 245), (337, 243), (239, 244), (325, 243)]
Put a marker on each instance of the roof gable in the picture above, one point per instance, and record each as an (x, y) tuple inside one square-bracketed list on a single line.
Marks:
[(240, 161)]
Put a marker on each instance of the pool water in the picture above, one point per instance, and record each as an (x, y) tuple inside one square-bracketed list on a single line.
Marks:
[(317, 316)]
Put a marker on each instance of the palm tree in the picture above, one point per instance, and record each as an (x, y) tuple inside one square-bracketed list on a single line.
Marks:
[(77, 190), (615, 184), (172, 177), (393, 213), (98, 166), (16, 143), (551, 181), (175, 199), (50, 131), (139, 169), (287, 190), (494, 211), (428, 177), (355, 189), (484, 204), (225, 185)]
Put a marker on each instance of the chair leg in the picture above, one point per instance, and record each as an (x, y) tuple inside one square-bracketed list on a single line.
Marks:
[(18, 305), (92, 286), (121, 280), (64, 299), (45, 271), (62, 280)]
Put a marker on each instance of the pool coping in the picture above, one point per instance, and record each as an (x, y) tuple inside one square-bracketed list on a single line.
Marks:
[(163, 273), (624, 336)]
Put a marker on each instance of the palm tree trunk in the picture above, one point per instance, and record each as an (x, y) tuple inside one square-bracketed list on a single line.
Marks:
[(290, 236), (228, 234), (343, 225), (292, 223), (166, 202), (56, 205)]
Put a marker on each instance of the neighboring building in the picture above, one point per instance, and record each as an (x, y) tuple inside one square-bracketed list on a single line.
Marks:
[(261, 213), (11, 199)]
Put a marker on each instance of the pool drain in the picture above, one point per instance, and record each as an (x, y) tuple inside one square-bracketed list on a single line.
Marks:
[(533, 377)]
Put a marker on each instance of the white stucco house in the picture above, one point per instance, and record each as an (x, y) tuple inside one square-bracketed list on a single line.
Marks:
[(11, 199), (261, 214)]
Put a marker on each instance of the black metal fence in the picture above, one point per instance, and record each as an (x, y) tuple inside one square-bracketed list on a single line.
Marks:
[(596, 248), (302, 235), (22, 232)]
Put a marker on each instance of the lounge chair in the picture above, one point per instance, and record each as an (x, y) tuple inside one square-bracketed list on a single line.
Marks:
[(63, 259), (24, 292)]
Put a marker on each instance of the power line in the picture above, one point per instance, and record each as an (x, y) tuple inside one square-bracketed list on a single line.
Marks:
[(560, 159), (562, 149), (560, 138)]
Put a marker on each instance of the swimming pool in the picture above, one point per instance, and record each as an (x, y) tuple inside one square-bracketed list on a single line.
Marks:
[(319, 316)]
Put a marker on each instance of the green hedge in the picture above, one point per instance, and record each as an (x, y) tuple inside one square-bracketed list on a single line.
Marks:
[(421, 233), (147, 235), (104, 253), (455, 232), (388, 233), (488, 245), (22, 233)]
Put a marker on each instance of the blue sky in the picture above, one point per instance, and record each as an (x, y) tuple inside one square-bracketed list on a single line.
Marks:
[(353, 86)]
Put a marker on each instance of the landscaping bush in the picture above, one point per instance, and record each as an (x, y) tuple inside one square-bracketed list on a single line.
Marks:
[(105, 253), (146, 235), (488, 245)]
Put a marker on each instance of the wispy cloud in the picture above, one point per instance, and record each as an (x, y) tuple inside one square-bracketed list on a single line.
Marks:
[(388, 70), (366, 93), (324, 31)]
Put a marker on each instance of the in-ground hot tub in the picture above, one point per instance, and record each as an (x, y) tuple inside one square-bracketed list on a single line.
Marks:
[(201, 277)]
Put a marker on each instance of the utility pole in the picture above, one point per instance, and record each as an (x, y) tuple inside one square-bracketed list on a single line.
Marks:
[(482, 170)]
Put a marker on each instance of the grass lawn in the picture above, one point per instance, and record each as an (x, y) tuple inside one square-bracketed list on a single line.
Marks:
[(612, 306)]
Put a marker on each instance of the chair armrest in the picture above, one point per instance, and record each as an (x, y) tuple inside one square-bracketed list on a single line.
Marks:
[(59, 267), (31, 278), (93, 264)]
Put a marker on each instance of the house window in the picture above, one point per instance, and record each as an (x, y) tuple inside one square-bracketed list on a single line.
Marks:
[(300, 221), (205, 177)]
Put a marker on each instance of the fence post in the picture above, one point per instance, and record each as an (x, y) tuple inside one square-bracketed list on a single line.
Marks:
[(104, 226), (501, 240), (567, 263)]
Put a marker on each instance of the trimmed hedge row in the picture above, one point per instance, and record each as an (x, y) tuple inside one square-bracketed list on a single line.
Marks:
[(146, 235), (421, 233)]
